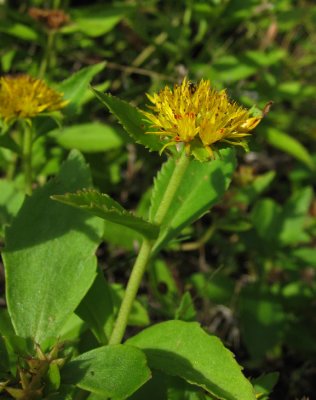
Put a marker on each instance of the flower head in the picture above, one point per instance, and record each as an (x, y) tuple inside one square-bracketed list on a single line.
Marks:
[(23, 96), (198, 115)]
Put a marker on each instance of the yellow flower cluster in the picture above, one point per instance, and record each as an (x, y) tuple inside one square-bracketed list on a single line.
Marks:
[(198, 114), (23, 96)]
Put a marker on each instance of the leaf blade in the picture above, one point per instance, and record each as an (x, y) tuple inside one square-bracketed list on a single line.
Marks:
[(89, 138), (105, 207), (101, 370), (290, 145), (76, 85), (131, 119), (202, 186), (56, 247), (184, 349)]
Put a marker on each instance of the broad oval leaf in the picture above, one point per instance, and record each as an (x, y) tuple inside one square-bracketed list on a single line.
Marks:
[(49, 256), (88, 138), (111, 371), (18, 30), (131, 119), (105, 207), (184, 349), (95, 20), (202, 186)]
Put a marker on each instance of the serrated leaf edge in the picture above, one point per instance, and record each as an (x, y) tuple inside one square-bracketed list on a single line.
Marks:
[(97, 93), (112, 210)]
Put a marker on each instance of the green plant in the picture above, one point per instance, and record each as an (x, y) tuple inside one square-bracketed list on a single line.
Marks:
[(51, 271), (246, 270)]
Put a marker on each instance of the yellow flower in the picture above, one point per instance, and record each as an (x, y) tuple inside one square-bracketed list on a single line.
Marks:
[(23, 96), (198, 115)]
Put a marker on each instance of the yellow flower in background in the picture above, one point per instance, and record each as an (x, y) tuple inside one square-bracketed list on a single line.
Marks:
[(23, 96), (198, 114)]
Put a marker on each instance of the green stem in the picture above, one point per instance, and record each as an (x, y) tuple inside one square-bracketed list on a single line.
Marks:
[(47, 54), (11, 167), (145, 252), (130, 292), (173, 186), (27, 157)]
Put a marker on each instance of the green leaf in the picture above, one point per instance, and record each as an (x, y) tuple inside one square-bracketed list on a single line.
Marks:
[(6, 328), (72, 329), (306, 255), (264, 384), (285, 224), (18, 30), (52, 381), (104, 207), (7, 59), (249, 193), (294, 214), (4, 358), (216, 287), (10, 344), (88, 138), (56, 246), (121, 236), (164, 287), (262, 320), (111, 371), (202, 186), (131, 119), (166, 387), (95, 20), (96, 308), (11, 199), (185, 350), (264, 58), (8, 143), (227, 68), (65, 392), (154, 389), (179, 389), (267, 219), (75, 87), (186, 310), (289, 145)]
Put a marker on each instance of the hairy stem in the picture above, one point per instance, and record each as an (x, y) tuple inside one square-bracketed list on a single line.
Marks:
[(130, 292), (172, 188), (145, 252)]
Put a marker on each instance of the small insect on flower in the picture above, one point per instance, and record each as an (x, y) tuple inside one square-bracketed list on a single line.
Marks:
[(198, 116), (23, 97)]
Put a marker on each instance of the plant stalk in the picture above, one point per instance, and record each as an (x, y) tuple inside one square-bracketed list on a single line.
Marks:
[(173, 185), (46, 61), (145, 252), (131, 292)]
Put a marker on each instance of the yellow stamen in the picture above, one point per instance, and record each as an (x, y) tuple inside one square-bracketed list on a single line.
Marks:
[(198, 112), (23, 96)]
